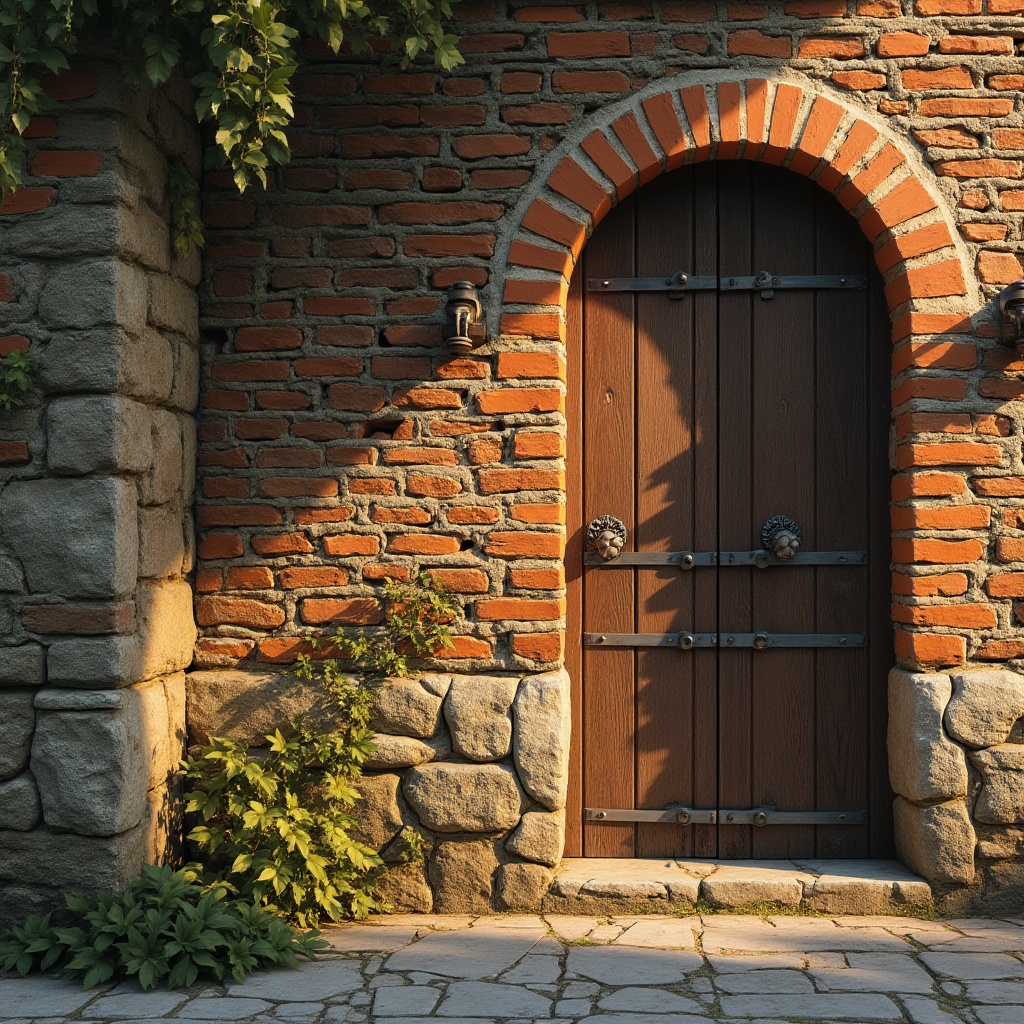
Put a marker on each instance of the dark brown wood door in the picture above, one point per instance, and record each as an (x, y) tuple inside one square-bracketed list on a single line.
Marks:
[(693, 419)]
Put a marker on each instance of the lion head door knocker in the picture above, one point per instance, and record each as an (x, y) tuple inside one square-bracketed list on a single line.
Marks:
[(781, 536), (606, 535)]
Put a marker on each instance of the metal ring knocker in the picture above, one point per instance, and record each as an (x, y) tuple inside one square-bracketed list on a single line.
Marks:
[(686, 641), (782, 537)]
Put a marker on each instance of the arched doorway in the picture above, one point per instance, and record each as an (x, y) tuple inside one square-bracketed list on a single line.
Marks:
[(697, 410)]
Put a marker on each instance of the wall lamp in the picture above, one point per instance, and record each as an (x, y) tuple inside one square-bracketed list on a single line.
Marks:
[(464, 329), (1011, 313)]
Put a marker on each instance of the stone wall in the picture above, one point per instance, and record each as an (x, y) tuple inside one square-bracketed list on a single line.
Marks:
[(477, 764), (96, 481), (956, 763)]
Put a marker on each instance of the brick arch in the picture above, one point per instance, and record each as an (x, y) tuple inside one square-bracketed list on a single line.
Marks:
[(929, 281)]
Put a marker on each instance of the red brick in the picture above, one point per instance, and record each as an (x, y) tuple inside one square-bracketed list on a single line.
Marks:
[(238, 611), (730, 102), (282, 544), (545, 647), (548, 14), (14, 453), (964, 107), (313, 576), (65, 163), (601, 151), (543, 219), (780, 133), (522, 544), (478, 147), (936, 551), (506, 481), (461, 581), (352, 611), (27, 200), (859, 81), (588, 81), (262, 339), (84, 620), (521, 609), (980, 168), (423, 544), (962, 453), (538, 113), (1000, 45), (836, 47), (249, 577), (349, 544), (467, 515), (578, 45), (428, 485), (571, 181), (750, 42), (439, 213), (509, 400)]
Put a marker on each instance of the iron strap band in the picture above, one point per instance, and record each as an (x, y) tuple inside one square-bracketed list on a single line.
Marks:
[(692, 559), (757, 641), (763, 281), (674, 814)]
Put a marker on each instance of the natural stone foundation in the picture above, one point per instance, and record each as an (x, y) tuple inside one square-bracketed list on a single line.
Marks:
[(956, 763), (479, 765)]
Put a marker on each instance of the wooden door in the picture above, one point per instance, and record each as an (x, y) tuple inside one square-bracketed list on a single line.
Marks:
[(693, 418)]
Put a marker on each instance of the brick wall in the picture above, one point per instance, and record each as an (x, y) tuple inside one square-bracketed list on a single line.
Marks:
[(340, 445)]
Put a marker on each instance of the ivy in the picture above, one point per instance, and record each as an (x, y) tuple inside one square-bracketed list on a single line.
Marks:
[(239, 55), (15, 381)]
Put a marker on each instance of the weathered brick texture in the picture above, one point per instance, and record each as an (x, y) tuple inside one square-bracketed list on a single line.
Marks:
[(340, 446)]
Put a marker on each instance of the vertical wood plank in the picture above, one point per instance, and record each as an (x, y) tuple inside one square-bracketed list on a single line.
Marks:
[(575, 456), (609, 602), (782, 469)]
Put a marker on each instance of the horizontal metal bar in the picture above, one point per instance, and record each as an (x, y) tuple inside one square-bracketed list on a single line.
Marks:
[(694, 559), (773, 282), (759, 817), (678, 282), (758, 641), (681, 282)]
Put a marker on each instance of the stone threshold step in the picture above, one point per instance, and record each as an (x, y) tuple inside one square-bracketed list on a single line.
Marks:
[(859, 887)]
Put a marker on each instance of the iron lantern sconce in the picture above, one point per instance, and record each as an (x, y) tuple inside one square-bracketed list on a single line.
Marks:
[(1011, 314), (464, 329)]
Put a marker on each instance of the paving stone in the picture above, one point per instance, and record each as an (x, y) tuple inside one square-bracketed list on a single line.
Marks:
[(649, 1000), (323, 979), (764, 981), (742, 884), (475, 997), (781, 934), (370, 937), (580, 990), (760, 962), (534, 970), (974, 966), (644, 1018), (471, 953), (998, 1014), (860, 1007), (876, 972), (605, 933), (298, 1011), (1000, 937), (926, 1011), (128, 1000), (1000, 992), (222, 1008), (41, 997), (662, 933), (402, 1000), (573, 1007), (628, 966)]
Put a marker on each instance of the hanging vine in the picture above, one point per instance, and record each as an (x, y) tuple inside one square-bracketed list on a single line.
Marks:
[(239, 56)]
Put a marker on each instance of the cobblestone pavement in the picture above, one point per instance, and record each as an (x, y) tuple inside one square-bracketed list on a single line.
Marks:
[(626, 970)]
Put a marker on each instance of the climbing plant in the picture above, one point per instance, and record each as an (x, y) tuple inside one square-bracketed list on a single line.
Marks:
[(239, 55)]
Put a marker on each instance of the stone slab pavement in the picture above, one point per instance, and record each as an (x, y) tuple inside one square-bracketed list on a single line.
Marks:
[(589, 970)]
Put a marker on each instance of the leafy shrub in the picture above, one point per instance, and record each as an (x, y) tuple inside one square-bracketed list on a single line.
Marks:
[(275, 825), (416, 625), (15, 380), (167, 927)]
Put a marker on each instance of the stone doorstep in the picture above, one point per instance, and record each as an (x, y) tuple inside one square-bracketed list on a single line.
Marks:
[(849, 887)]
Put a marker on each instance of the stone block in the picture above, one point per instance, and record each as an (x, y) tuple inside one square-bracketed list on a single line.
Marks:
[(937, 841), (405, 707), (160, 736), (65, 230), (163, 824), (477, 711), (521, 887), (97, 433), (91, 768), (19, 803), (95, 662), (539, 837), (94, 293), (11, 579), (167, 629), (173, 306), (163, 479), (465, 797), (924, 765), (541, 746), (984, 706), (461, 873), (406, 751), (72, 863), (17, 720), (146, 238), (23, 666), (245, 705), (1001, 801), (405, 887), (75, 538), (377, 810), (185, 390), (161, 543)]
